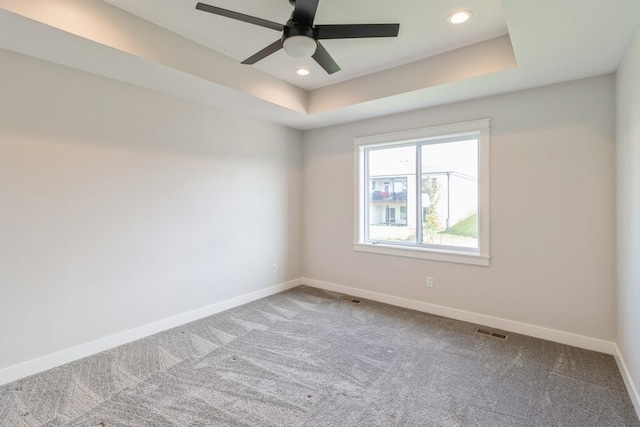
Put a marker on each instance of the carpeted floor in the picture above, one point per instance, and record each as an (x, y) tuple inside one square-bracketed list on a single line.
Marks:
[(306, 357)]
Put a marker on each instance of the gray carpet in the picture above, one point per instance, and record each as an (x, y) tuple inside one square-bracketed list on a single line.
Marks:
[(305, 357)]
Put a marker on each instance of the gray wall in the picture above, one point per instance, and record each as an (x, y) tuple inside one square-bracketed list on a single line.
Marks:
[(628, 213), (552, 212), (121, 207)]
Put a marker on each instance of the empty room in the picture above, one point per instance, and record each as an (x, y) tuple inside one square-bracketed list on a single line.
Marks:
[(319, 213)]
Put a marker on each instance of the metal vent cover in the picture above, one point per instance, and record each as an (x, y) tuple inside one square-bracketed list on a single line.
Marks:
[(491, 333)]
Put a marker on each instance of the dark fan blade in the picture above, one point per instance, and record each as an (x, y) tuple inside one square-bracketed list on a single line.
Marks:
[(272, 48), (240, 17), (304, 12), (356, 31), (325, 60)]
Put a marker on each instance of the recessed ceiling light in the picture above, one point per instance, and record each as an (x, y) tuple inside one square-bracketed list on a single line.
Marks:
[(302, 72), (459, 17)]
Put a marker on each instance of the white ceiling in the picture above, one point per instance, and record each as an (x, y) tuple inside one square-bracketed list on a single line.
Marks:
[(169, 46), (424, 31)]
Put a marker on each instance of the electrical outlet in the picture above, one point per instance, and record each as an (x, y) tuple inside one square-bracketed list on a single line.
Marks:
[(429, 282), (274, 268)]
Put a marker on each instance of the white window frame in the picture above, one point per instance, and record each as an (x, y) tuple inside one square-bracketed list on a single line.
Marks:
[(479, 128)]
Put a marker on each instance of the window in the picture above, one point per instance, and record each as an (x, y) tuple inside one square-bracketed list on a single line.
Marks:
[(424, 193)]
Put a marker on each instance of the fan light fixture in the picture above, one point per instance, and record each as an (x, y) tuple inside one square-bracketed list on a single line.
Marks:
[(300, 35), (299, 46), (459, 17)]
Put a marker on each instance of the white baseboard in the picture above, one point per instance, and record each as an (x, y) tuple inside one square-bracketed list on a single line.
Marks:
[(628, 381), (25, 369), (466, 316), (53, 360)]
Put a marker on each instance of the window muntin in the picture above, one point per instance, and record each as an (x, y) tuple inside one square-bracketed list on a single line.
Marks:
[(427, 192)]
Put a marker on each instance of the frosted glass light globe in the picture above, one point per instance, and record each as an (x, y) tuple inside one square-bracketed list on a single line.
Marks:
[(299, 46)]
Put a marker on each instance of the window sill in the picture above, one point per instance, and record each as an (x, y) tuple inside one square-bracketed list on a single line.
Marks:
[(431, 254)]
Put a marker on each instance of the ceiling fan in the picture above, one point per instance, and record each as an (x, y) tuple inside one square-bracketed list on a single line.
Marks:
[(300, 38)]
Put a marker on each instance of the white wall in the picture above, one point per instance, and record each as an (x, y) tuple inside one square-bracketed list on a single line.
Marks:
[(628, 214), (120, 207), (552, 212)]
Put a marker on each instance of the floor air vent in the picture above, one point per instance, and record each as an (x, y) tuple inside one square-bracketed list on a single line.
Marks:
[(491, 334), (349, 299)]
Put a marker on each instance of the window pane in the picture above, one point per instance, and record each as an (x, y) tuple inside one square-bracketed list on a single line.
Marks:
[(391, 207), (450, 194), (419, 193)]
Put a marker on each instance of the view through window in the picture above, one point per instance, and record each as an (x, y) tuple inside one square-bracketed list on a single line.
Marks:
[(424, 193)]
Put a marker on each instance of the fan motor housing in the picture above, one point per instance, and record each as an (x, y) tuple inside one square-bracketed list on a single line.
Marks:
[(291, 30)]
